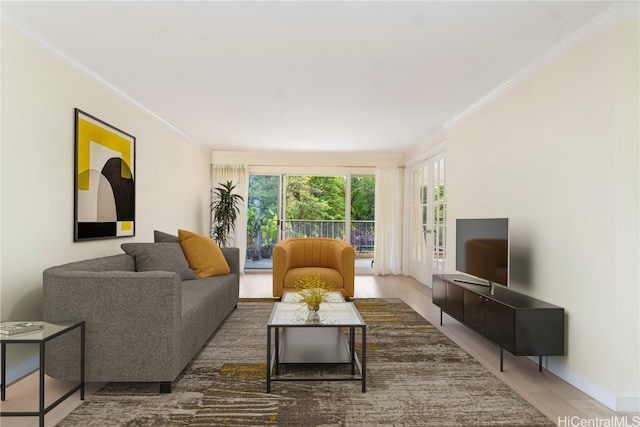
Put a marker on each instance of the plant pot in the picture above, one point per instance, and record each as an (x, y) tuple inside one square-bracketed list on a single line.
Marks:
[(266, 252)]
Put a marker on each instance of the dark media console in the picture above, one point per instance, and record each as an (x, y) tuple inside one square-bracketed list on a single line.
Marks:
[(522, 325)]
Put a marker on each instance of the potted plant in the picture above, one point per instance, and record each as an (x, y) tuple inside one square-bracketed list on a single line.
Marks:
[(225, 206), (312, 291), (269, 233), (254, 222)]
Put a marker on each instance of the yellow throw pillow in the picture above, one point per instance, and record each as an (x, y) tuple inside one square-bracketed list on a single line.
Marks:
[(203, 254)]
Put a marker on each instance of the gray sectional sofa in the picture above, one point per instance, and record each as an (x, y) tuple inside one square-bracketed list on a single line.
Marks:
[(141, 326)]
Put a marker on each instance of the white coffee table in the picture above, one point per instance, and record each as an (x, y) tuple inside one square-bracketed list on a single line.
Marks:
[(297, 342), (290, 296)]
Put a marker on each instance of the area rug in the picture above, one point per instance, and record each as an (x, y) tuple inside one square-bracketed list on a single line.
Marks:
[(416, 376)]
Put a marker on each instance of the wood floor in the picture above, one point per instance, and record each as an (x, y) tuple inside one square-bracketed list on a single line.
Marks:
[(552, 396)]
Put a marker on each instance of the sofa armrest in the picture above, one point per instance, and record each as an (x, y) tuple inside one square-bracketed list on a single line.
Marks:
[(345, 264), (281, 257), (232, 255), (140, 312)]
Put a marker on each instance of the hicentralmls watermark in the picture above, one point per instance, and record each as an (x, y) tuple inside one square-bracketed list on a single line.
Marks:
[(617, 421)]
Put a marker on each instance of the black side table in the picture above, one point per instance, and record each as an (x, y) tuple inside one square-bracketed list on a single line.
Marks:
[(49, 332)]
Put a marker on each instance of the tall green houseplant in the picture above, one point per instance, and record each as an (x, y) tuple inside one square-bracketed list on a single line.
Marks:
[(225, 206)]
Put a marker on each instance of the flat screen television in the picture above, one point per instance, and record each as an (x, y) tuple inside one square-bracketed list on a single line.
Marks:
[(482, 249)]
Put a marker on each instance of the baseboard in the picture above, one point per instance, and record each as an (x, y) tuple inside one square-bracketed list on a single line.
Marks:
[(602, 395), (21, 370)]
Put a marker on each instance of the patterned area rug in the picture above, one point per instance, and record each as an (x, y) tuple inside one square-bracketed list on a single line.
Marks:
[(416, 376)]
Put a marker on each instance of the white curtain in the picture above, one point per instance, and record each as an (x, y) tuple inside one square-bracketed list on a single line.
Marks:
[(388, 230), (239, 176)]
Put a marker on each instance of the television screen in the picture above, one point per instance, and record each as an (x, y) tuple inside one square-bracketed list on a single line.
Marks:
[(482, 248)]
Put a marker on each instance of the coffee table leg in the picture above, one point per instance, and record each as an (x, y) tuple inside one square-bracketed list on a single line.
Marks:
[(364, 358), (82, 360), (4, 371), (276, 356), (268, 359), (352, 347), (41, 407)]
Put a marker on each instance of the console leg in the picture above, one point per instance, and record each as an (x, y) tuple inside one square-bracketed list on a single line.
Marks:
[(540, 363), (501, 360), (440, 317)]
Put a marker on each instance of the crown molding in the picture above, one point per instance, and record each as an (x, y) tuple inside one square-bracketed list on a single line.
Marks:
[(35, 38), (627, 11), (351, 160), (434, 145)]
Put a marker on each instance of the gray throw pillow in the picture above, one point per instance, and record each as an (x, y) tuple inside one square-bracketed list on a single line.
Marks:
[(160, 237), (159, 257)]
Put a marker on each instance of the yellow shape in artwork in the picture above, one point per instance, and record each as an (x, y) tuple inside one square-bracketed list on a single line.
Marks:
[(126, 225), (89, 132)]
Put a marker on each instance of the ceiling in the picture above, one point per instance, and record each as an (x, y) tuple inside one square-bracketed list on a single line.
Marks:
[(328, 76)]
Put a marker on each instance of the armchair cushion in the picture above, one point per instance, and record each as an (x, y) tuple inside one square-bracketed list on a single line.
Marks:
[(328, 275)]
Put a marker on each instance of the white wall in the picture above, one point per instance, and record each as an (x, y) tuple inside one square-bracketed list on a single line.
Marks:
[(39, 94), (558, 155)]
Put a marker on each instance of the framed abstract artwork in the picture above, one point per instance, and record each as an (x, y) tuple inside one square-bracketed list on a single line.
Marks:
[(105, 192)]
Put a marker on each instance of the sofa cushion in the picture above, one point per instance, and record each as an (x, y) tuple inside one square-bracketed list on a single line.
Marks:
[(161, 237), (203, 254), (159, 257)]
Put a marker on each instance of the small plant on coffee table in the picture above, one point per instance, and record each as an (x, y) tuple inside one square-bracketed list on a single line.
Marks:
[(313, 291)]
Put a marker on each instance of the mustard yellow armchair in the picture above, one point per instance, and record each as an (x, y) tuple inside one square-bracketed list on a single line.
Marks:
[(332, 259)]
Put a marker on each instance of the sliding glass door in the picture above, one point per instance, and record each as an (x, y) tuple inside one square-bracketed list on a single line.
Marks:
[(314, 206), (263, 220), (283, 206), (362, 218)]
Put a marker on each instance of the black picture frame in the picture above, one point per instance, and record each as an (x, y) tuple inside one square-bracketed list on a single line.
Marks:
[(104, 184)]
